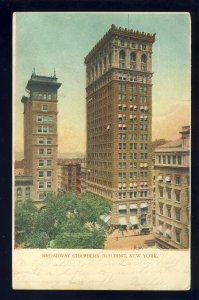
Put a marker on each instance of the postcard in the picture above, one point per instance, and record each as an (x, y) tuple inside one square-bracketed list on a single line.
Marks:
[(101, 151)]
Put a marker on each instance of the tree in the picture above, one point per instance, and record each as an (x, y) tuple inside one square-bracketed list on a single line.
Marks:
[(67, 221)]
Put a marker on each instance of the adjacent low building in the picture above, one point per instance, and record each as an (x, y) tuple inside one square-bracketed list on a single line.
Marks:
[(69, 176), (172, 176), (23, 188)]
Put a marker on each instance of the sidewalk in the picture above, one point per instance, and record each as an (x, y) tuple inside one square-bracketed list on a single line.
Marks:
[(128, 240)]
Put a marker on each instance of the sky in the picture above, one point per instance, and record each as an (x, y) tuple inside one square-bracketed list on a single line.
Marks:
[(62, 40)]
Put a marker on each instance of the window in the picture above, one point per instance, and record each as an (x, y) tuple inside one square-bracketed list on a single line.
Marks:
[(169, 159), (40, 141), (179, 160), (164, 159), (39, 129), (174, 159), (41, 174), (161, 208), (177, 179), (39, 118), (49, 151), (122, 59), (49, 141), (44, 107), (177, 232), (168, 211), (159, 159), (49, 162), (27, 192), (168, 193), (40, 184), (41, 151), (177, 195), (40, 162), (49, 173), (49, 96), (177, 214), (48, 184), (19, 192), (160, 192)]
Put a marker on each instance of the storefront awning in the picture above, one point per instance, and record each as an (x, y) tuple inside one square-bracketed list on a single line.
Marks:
[(122, 221), (133, 206), (105, 218), (143, 205), (133, 220)]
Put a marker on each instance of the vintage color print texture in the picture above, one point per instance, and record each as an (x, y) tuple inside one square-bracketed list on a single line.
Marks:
[(125, 107)]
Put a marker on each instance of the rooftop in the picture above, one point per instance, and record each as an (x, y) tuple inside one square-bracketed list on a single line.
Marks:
[(36, 80), (121, 32)]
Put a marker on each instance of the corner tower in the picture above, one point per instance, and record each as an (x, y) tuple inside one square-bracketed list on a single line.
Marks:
[(119, 112), (40, 134)]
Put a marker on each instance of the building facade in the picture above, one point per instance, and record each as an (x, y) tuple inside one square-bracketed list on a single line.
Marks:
[(40, 134), (69, 177), (119, 116), (23, 188), (172, 175)]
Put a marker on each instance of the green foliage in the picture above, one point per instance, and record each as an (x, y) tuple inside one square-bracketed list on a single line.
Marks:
[(67, 221), (36, 240)]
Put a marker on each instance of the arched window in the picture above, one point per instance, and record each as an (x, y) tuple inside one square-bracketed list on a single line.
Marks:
[(143, 58), (122, 59), (133, 56), (143, 62), (19, 192), (133, 61), (27, 192)]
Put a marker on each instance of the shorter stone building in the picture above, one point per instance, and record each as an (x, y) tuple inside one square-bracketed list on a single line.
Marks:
[(23, 188), (68, 176), (172, 173), (19, 168)]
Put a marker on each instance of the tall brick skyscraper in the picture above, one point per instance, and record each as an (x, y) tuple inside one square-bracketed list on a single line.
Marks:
[(40, 134), (119, 112)]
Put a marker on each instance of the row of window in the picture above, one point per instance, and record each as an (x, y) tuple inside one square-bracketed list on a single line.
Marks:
[(20, 192), (132, 185), (132, 195), (167, 211), (42, 174), (133, 45), (42, 151), (44, 162), (131, 118), (132, 175), (123, 165), (44, 96), (122, 136), (44, 129), (42, 141), (42, 184), (133, 88), (167, 178), (168, 232), (177, 194), (135, 127), (132, 58), (134, 98), (123, 107), (169, 159), (133, 155), (44, 119)]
